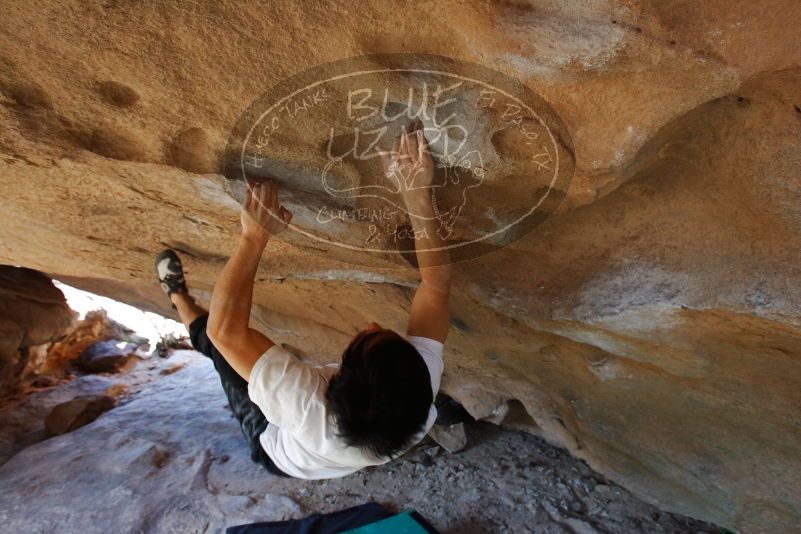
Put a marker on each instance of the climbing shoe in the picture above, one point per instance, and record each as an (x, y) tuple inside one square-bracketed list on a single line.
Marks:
[(170, 272), (450, 412)]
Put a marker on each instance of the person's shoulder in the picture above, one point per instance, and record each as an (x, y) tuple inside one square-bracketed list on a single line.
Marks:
[(278, 362), (431, 350), (426, 344), (328, 370), (279, 352), (276, 350)]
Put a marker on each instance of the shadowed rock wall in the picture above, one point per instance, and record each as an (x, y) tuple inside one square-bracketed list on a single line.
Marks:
[(32, 312), (651, 326)]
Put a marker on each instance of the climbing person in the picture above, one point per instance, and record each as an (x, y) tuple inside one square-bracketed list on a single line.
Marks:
[(316, 422)]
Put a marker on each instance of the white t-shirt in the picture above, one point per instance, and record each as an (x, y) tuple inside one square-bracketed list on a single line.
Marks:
[(300, 439)]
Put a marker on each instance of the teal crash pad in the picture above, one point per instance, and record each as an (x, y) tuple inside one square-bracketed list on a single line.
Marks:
[(402, 523)]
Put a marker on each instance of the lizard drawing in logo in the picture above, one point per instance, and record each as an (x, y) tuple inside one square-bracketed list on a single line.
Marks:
[(455, 173)]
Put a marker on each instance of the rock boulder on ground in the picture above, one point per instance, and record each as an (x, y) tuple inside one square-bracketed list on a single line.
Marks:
[(75, 413), (108, 356), (95, 344), (24, 417)]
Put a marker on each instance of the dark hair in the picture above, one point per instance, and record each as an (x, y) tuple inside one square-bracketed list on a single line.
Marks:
[(381, 395)]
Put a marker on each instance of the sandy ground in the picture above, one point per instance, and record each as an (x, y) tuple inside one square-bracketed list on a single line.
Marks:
[(170, 458)]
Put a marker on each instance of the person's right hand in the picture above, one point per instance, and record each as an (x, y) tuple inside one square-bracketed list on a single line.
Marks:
[(409, 162), (262, 216)]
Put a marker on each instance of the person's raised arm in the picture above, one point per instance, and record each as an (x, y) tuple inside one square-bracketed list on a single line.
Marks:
[(229, 313), (429, 315)]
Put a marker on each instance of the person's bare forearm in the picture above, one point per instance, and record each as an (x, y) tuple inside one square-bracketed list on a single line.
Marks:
[(429, 313), (231, 301), (433, 258), (229, 314)]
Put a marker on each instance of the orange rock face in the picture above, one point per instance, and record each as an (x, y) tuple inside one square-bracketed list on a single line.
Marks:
[(651, 325)]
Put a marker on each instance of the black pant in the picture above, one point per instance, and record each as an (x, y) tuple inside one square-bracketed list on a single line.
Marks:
[(250, 418)]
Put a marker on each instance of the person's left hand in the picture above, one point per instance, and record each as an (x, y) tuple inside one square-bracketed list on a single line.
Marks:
[(409, 163), (262, 216)]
